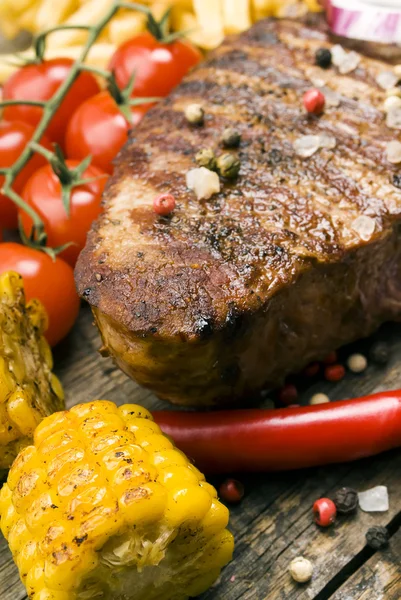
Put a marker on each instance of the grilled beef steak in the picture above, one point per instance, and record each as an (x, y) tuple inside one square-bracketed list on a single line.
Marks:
[(296, 257)]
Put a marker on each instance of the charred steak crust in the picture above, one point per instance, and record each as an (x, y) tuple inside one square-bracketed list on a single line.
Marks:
[(229, 295)]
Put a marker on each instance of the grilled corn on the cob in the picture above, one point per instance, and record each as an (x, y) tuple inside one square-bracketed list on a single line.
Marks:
[(103, 506), (28, 389)]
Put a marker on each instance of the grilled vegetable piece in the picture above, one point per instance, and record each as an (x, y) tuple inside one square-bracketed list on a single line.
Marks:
[(103, 506), (29, 391)]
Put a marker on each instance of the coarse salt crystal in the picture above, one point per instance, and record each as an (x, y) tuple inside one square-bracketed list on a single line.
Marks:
[(386, 80), (332, 98), (391, 103), (307, 145), (393, 152), (345, 61), (327, 141), (364, 226), (203, 182), (374, 500), (395, 91), (394, 116)]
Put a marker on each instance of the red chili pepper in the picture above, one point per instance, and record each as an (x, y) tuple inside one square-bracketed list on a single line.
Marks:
[(289, 438)]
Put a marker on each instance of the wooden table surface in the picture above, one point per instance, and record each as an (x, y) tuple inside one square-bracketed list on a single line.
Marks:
[(274, 523)]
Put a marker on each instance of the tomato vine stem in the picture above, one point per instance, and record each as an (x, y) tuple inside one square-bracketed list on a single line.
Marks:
[(50, 107)]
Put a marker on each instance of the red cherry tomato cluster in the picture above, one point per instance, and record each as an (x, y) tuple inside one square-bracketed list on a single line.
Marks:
[(89, 122)]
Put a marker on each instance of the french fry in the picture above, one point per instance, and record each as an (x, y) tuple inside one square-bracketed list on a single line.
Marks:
[(18, 6), (28, 16), (159, 8), (205, 21), (9, 25), (236, 15), (209, 15), (264, 8), (314, 5), (87, 14), (53, 13), (99, 56), (125, 26)]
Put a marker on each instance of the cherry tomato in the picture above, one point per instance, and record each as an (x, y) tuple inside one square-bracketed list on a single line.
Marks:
[(40, 82), (43, 193), (159, 67), (14, 136), (99, 129), (51, 281)]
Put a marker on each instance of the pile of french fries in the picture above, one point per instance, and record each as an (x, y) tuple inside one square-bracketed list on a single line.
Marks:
[(206, 21)]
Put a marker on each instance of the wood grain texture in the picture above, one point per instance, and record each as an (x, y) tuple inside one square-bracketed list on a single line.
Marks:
[(274, 523)]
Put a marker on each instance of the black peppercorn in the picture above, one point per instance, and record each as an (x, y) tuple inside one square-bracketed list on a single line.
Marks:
[(377, 537), (346, 501), (379, 353), (397, 180), (323, 58)]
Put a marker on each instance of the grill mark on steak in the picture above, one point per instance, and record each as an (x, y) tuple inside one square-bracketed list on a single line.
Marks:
[(230, 294)]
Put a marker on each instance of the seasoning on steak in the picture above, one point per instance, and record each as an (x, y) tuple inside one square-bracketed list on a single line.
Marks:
[(291, 260)]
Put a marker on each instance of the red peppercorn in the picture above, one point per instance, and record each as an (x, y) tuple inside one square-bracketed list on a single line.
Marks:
[(164, 204), (231, 491), (314, 101), (311, 370), (325, 512), (330, 358), (334, 372), (288, 394)]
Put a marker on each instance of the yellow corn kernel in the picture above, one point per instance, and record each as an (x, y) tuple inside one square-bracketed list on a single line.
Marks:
[(91, 504), (216, 518), (21, 411), (187, 505), (46, 594), (28, 389)]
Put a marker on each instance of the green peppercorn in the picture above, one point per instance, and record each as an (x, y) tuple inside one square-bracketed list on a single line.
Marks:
[(206, 158), (346, 500), (228, 166), (377, 537), (231, 138)]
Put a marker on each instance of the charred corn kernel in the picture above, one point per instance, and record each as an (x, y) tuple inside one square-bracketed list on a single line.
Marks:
[(104, 506), (28, 389)]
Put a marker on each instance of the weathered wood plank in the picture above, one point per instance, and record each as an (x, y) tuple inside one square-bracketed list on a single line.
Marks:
[(273, 524), (267, 544), (378, 579)]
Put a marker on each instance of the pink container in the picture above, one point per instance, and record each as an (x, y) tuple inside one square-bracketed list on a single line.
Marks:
[(374, 23)]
